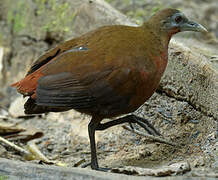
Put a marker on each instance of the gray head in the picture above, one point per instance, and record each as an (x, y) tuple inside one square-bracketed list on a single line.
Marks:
[(173, 21)]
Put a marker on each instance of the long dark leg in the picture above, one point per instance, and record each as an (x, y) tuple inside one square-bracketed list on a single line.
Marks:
[(130, 119), (91, 128), (96, 125)]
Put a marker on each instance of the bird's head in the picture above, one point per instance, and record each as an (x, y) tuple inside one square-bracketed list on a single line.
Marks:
[(172, 21)]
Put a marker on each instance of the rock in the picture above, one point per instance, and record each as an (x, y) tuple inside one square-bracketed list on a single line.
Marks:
[(27, 171), (173, 169), (198, 162), (191, 77)]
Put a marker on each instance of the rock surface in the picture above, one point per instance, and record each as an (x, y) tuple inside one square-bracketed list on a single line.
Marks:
[(25, 171)]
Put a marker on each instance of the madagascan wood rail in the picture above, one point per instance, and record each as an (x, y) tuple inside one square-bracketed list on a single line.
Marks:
[(104, 73)]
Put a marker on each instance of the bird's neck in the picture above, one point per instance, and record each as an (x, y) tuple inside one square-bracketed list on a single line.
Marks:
[(162, 59), (162, 38), (158, 41)]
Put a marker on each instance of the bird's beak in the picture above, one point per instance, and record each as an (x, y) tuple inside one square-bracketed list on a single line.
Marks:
[(192, 26)]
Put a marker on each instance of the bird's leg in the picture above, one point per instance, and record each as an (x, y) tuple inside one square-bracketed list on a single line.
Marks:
[(91, 128), (144, 123), (115, 122), (96, 125)]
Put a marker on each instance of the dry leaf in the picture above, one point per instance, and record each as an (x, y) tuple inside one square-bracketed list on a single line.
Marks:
[(9, 128), (17, 132)]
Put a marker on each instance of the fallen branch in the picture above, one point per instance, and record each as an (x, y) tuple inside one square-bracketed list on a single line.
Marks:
[(32, 153), (14, 146), (34, 150)]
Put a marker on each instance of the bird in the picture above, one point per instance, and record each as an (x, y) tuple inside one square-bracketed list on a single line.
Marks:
[(105, 73)]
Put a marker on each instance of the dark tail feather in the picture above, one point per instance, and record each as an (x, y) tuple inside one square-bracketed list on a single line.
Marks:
[(32, 108)]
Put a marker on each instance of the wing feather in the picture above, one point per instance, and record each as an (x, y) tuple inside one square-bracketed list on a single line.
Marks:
[(67, 91), (63, 90)]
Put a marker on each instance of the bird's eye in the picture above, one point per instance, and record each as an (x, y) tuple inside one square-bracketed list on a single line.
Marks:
[(178, 19)]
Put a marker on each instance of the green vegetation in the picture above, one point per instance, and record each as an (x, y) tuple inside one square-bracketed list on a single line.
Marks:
[(2, 177), (17, 16), (138, 10), (51, 15), (58, 14)]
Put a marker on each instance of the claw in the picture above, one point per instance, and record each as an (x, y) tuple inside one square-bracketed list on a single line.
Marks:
[(130, 124), (144, 123), (96, 168)]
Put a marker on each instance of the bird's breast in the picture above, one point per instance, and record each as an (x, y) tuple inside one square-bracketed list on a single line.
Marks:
[(161, 62), (150, 80)]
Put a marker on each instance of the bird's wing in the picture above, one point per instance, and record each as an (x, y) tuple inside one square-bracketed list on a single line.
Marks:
[(92, 92), (51, 54), (44, 59), (63, 90)]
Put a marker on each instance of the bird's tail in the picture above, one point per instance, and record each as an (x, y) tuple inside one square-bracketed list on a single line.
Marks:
[(32, 108), (28, 85)]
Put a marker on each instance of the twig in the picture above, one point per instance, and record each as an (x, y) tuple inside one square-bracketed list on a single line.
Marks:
[(32, 147), (154, 138), (17, 148)]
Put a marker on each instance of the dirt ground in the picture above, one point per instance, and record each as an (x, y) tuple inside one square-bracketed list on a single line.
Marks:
[(65, 136)]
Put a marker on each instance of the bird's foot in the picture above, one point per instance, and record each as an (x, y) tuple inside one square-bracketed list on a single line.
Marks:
[(102, 169), (96, 168), (86, 165), (130, 124)]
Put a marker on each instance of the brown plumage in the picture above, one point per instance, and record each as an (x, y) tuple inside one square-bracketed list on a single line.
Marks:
[(105, 73)]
